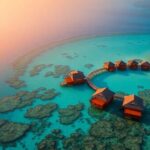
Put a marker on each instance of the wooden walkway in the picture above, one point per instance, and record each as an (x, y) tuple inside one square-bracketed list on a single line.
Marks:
[(91, 85), (94, 87), (118, 96), (92, 75), (95, 73)]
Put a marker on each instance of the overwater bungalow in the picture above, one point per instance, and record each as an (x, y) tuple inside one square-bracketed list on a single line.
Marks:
[(74, 77), (109, 66), (145, 65), (132, 64), (133, 106), (102, 97), (121, 65)]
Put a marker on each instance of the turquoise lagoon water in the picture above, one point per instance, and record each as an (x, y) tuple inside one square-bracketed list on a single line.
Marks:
[(129, 82), (94, 51)]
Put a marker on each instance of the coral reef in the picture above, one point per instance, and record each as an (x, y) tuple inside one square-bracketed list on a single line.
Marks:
[(89, 66), (113, 130), (110, 133), (25, 98), (145, 95), (16, 83), (49, 73), (41, 111), (75, 141), (10, 131), (50, 142), (70, 56), (20, 100), (38, 127), (48, 94), (59, 70), (9, 103), (95, 112), (38, 68), (70, 114), (20, 65)]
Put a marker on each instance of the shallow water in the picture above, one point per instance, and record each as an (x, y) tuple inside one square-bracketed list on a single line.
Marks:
[(128, 81), (77, 54)]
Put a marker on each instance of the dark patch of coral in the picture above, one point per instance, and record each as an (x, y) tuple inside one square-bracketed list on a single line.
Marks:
[(111, 133), (51, 141), (70, 56), (20, 66), (71, 113), (38, 68), (16, 83), (25, 98), (145, 95), (48, 94), (41, 111), (38, 127), (114, 130), (95, 112), (49, 73), (59, 70), (20, 100), (11, 131), (89, 66)]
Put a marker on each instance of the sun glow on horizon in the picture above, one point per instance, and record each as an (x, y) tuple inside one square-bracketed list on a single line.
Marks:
[(26, 24)]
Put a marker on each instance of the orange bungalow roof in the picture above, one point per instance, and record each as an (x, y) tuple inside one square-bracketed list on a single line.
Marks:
[(145, 63), (74, 74), (109, 63), (103, 93), (130, 62), (133, 102), (100, 90), (120, 62)]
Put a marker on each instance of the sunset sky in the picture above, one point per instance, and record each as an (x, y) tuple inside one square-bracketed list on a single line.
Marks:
[(28, 24)]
